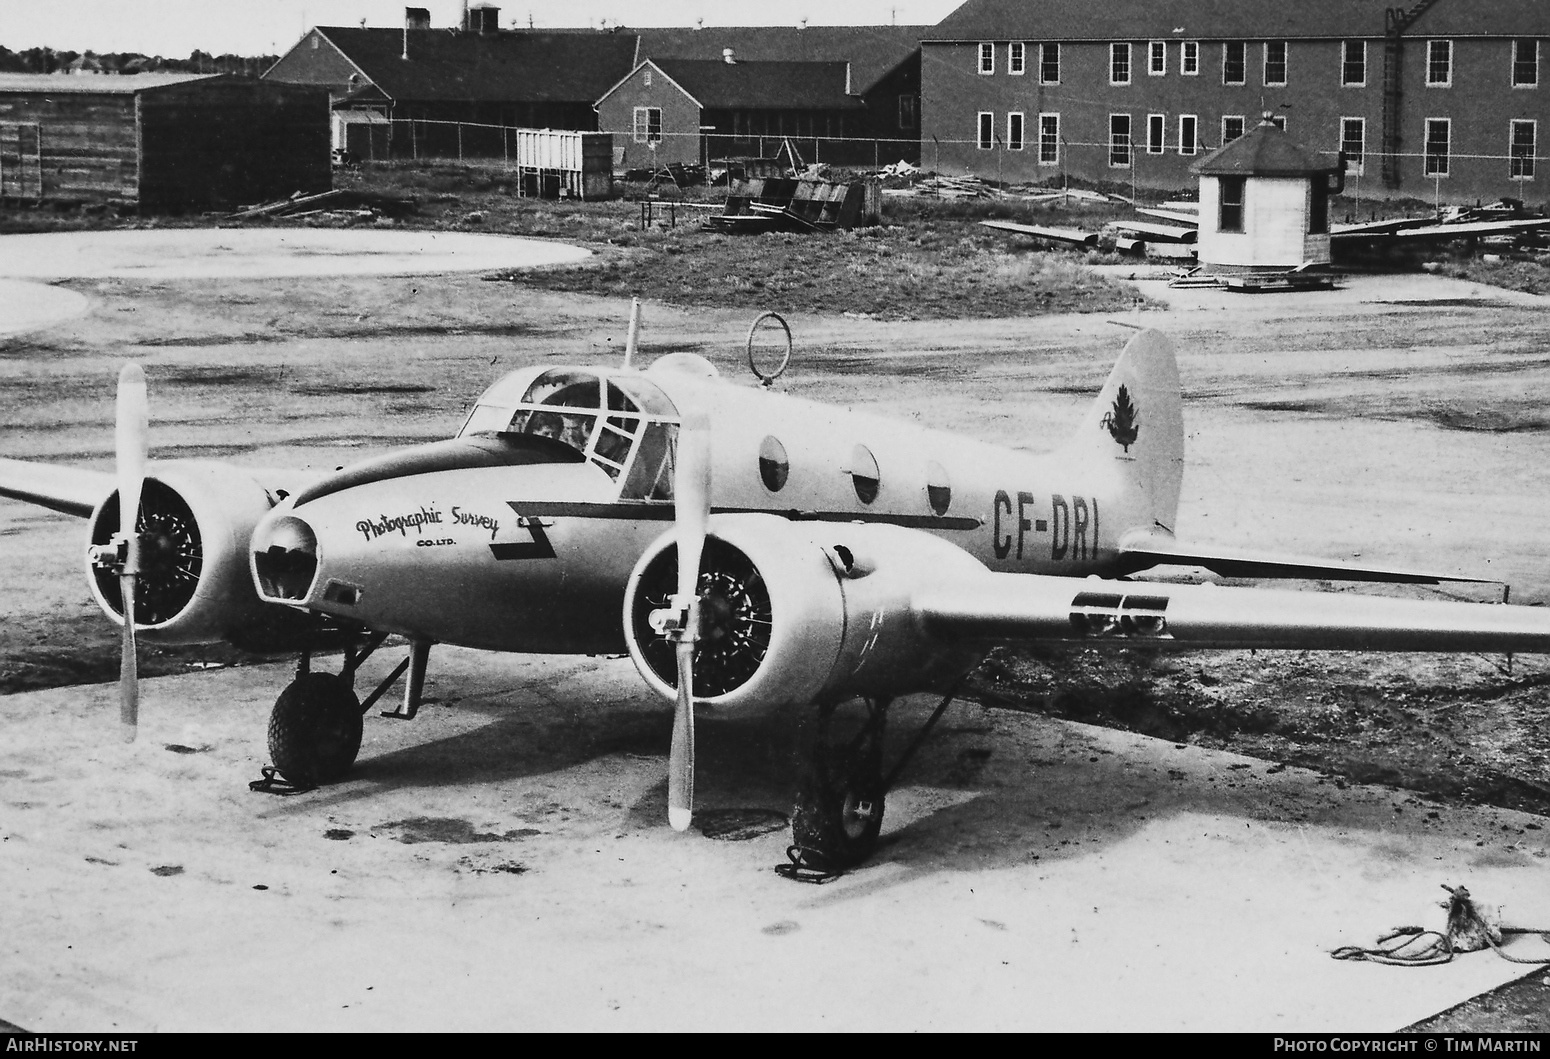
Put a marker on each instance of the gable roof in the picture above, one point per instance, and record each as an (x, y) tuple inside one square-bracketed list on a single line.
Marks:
[(761, 85), (873, 51), (1264, 150), (531, 66), (1121, 20)]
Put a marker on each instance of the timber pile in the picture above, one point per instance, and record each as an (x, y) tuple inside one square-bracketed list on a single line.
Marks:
[(352, 204)]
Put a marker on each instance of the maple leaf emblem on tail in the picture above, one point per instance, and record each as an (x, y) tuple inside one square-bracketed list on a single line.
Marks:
[(1120, 421)]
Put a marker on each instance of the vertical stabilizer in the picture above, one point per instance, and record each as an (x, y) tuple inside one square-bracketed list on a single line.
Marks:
[(1136, 427)]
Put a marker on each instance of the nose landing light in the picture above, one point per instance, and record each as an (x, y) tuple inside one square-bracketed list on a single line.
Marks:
[(285, 559)]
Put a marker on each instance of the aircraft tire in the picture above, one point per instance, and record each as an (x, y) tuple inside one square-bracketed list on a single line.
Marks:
[(839, 813), (315, 729)]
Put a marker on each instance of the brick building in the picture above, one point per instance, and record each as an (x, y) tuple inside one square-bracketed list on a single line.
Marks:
[(1444, 98)]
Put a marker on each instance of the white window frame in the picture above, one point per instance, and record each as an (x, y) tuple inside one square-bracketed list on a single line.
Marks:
[(986, 122), (1156, 58), (1286, 63), (1516, 60), (1190, 144), (1054, 118), (1130, 142), (1357, 165), (1045, 49), (987, 58), (1157, 123), (1426, 148), (642, 125), (1447, 46), (1242, 125), (1116, 56), (1345, 61), (1189, 58), (1017, 58), (1016, 143), (1226, 46), (1513, 159)]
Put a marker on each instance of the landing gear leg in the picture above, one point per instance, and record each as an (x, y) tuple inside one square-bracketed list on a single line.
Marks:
[(315, 726), (839, 809)]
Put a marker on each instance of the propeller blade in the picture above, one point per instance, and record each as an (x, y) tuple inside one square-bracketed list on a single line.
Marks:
[(691, 513), (131, 450)]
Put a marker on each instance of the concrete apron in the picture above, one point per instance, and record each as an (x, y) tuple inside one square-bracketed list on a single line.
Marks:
[(504, 863)]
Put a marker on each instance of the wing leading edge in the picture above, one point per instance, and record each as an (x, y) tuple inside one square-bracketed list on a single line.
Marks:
[(71, 490), (1022, 607)]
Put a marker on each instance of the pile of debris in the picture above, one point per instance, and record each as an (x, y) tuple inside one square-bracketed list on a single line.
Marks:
[(797, 205), (341, 205)]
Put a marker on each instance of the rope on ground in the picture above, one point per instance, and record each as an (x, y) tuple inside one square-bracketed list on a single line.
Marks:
[(1467, 931)]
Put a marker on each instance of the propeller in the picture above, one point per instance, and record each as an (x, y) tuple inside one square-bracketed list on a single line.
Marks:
[(130, 449), (691, 514)]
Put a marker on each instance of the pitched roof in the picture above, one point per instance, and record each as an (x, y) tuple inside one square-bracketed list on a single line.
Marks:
[(1263, 151), (1124, 20), (762, 85), (93, 84), (873, 51), (1470, 18), (529, 66)]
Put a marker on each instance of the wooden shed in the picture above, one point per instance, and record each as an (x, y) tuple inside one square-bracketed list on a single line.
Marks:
[(165, 143)]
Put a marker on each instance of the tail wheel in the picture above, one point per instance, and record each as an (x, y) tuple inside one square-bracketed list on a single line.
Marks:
[(315, 729)]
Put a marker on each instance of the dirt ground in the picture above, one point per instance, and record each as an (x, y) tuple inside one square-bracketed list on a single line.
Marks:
[(1402, 426)]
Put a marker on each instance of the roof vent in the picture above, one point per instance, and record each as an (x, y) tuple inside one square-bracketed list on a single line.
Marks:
[(728, 56)]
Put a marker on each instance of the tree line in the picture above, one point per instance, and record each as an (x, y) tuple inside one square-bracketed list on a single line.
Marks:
[(51, 61)]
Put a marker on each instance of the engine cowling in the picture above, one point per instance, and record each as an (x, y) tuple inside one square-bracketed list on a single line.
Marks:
[(799, 612), (194, 586)]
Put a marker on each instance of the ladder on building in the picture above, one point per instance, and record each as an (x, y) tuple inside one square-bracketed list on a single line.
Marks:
[(1396, 20)]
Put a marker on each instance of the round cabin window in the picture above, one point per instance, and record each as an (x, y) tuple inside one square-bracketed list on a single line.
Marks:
[(774, 468), (939, 491), (863, 474)]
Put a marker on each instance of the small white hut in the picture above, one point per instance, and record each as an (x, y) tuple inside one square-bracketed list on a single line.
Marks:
[(1264, 203)]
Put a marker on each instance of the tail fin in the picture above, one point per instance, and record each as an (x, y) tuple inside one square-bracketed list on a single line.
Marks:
[(1136, 427)]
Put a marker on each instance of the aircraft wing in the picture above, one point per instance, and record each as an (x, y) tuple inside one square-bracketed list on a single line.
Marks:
[(1143, 551), (1026, 607), (72, 490)]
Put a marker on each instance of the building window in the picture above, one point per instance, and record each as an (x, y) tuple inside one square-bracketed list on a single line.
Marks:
[(1234, 65), (1189, 134), (1049, 139), (648, 124), (1232, 127), (1014, 58), (1438, 133), (1439, 63), (1049, 63), (1521, 151), (1525, 63), (1353, 63), (1279, 121), (987, 138), (1119, 64), (1230, 204), (987, 58), (1275, 62), (1353, 141), (1119, 141), (1014, 131), (1157, 58), (1189, 58), (909, 111), (1154, 133)]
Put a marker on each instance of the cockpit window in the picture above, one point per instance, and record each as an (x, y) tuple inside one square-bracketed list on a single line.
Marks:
[(607, 419)]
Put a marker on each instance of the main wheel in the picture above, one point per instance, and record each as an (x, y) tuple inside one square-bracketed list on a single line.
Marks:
[(315, 729), (839, 812)]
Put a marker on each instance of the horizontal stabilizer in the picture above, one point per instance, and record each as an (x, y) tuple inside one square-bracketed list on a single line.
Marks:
[(1143, 551), (72, 490)]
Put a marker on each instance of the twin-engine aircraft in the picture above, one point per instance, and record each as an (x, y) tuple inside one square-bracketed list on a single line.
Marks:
[(827, 555)]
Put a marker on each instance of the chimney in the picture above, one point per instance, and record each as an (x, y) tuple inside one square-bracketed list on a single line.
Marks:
[(728, 56), (483, 19), (848, 92), (417, 18)]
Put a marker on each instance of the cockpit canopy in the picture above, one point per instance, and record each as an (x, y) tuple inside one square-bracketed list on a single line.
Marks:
[(622, 423)]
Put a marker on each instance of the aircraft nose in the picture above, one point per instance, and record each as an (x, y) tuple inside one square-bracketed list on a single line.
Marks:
[(285, 558)]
